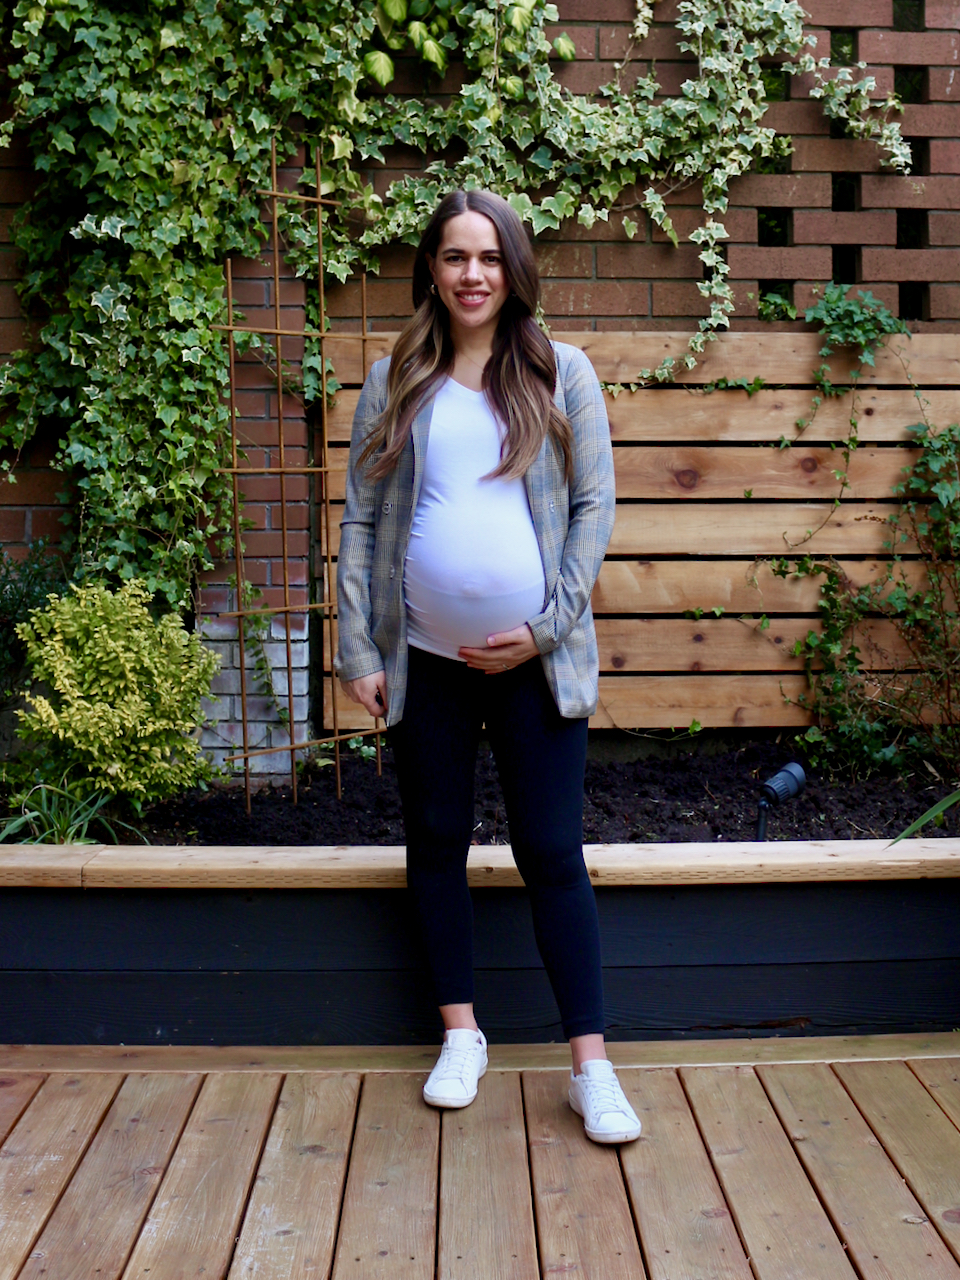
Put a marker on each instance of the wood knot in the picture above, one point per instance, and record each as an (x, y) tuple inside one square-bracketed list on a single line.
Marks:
[(688, 479), (809, 464), (618, 662), (698, 638)]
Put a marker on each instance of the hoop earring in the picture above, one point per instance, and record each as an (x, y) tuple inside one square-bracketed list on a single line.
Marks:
[(433, 289)]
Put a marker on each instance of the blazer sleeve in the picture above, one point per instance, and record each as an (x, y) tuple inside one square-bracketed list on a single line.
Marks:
[(357, 655), (592, 503)]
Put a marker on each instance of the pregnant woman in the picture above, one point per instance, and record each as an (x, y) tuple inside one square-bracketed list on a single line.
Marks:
[(479, 506)]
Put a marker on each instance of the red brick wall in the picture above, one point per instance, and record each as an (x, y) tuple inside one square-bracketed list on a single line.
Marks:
[(596, 279)]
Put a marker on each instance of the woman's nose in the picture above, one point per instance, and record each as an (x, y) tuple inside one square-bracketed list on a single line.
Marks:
[(471, 269)]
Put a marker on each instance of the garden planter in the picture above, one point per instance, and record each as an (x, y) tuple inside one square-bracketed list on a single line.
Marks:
[(311, 945)]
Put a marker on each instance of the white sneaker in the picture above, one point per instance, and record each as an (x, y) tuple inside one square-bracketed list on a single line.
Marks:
[(596, 1095), (462, 1061)]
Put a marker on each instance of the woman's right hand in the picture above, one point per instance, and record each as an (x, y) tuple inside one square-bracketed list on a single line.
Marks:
[(369, 691)]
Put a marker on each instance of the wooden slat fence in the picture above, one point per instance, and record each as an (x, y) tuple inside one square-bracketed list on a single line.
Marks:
[(707, 496)]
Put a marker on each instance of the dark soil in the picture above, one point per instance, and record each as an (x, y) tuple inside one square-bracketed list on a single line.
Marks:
[(671, 796)]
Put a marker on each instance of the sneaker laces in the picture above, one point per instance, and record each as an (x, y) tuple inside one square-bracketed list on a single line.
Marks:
[(454, 1058), (603, 1095)]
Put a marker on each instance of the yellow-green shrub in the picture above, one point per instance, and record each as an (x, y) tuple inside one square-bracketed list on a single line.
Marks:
[(124, 693)]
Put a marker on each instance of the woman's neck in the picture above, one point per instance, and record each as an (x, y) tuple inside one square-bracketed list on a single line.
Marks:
[(472, 351)]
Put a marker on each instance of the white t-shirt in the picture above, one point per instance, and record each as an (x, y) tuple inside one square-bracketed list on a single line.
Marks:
[(473, 564)]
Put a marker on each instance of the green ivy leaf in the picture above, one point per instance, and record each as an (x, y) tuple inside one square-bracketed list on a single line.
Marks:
[(379, 66), (432, 52), (106, 117), (565, 48)]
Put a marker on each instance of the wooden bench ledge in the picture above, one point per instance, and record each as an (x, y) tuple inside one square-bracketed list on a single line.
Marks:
[(491, 866)]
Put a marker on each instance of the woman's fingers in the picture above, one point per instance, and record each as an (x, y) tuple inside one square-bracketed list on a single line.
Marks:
[(504, 651), (369, 691)]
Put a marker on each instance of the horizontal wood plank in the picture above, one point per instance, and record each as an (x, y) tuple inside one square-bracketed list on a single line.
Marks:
[(734, 586), (746, 528), (357, 867), (97, 1058), (695, 473), (44, 866), (655, 415), (664, 702), (930, 359), (751, 528), (731, 644), (713, 702)]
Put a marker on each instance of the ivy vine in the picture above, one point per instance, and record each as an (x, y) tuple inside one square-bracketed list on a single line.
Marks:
[(150, 127)]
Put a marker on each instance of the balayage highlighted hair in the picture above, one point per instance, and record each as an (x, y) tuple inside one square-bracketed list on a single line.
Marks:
[(521, 374)]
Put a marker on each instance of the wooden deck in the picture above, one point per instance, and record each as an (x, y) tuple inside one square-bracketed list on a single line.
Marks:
[(764, 1160)]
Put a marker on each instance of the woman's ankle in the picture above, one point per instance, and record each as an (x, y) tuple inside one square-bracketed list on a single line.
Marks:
[(586, 1049), (458, 1017)]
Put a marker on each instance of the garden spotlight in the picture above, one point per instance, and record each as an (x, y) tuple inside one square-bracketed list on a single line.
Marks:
[(786, 784)]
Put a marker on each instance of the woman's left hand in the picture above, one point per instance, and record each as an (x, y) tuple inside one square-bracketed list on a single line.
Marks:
[(504, 651)]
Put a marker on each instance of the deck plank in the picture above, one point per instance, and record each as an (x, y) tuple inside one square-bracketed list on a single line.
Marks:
[(388, 1222), (96, 1223), (942, 1078), (886, 1232), (16, 1093), (583, 1216), (503, 1057), (684, 1223), (919, 1138), (784, 1228), (291, 1221), (39, 1157), (192, 1226), (486, 1213)]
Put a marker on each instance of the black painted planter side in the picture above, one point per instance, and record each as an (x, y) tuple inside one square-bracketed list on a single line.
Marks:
[(340, 966)]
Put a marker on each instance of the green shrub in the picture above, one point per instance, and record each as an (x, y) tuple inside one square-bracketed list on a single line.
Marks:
[(124, 694)]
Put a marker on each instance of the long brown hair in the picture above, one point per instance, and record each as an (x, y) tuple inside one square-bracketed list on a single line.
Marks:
[(519, 378)]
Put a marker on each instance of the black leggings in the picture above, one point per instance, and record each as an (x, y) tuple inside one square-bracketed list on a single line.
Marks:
[(540, 757)]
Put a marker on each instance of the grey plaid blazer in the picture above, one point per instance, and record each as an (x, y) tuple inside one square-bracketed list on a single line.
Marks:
[(573, 526)]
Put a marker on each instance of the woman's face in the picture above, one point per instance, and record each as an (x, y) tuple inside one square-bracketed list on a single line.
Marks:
[(469, 273)]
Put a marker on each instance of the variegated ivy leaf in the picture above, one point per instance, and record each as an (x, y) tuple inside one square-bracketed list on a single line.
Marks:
[(379, 66)]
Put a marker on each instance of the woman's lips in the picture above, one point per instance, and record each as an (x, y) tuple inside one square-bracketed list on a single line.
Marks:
[(472, 299)]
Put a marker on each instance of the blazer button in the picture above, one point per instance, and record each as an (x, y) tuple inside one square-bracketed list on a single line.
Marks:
[(387, 508), (392, 571), (553, 506)]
